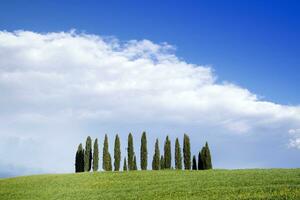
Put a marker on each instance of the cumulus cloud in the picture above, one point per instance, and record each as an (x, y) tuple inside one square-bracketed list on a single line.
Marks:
[(65, 78)]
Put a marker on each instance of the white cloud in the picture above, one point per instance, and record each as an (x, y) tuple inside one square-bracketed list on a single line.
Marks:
[(65, 78), (295, 138)]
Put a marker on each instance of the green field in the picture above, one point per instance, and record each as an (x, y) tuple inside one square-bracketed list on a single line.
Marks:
[(211, 184)]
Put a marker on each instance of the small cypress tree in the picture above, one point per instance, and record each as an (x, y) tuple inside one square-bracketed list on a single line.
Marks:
[(130, 152), (106, 165), (194, 163), (186, 152), (162, 162), (167, 154), (134, 163), (117, 154), (155, 161), (88, 155), (125, 165), (200, 162), (95, 156), (178, 158), (144, 153), (79, 160)]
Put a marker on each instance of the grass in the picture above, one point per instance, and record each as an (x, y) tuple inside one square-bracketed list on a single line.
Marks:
[(212, 184)]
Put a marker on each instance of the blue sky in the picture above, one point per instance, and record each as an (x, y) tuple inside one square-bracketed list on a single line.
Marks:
[(226, 72), (252, 43)]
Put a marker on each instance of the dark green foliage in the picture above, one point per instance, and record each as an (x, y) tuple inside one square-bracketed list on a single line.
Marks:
[(125, 165), (95, 156), (194, 167), (186, 152), (79, 160), (117, 154), (106, 164), (109, 165), (155, 161), (167, 153), (203, 153), (144, 152), (206, 157), (86, 158), (178, 158), (200, 162), (209, 162), (162, 162), (134, 163), (88, 155), (130, 152)]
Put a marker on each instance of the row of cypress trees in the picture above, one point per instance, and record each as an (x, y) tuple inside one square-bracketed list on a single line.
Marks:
[(86, 159)]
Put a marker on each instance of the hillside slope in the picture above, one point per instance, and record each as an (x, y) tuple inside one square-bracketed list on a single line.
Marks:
[(212, 184)]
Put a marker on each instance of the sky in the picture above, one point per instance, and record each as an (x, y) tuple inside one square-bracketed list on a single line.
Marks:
[(226, 72)]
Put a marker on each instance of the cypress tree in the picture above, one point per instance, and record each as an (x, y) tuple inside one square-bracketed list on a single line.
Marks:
[(125, 165), (167, 154), (200, 162), (117, 154), (144, 152), (207, 157), (178, 158), (109, 165), (194, 163), (130, 152), (162, 162), (95, 156), (81, 163), (88, 155), (106, 164), (203, 157), (186, 152), (155, 161), (79, 160), (134, 163)]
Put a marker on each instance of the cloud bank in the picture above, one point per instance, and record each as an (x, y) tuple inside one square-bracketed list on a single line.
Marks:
[(54, 84)]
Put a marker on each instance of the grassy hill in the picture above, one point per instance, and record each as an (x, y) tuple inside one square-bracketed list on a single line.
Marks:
[(212, 184)]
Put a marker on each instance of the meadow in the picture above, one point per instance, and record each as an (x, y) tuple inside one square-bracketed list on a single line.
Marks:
[(163, 184)]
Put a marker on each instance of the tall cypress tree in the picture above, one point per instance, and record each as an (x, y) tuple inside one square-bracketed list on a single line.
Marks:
[(194, 167), (186, 152), (117, 154), (130, 152), (178, 158), (144, 152), (88, 155), (79, 160), (125, 165), (95, 156), (106, 164), (134, 163), (167, 154), (200, 162), (207, 157), (162, 162), (155, 161)]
